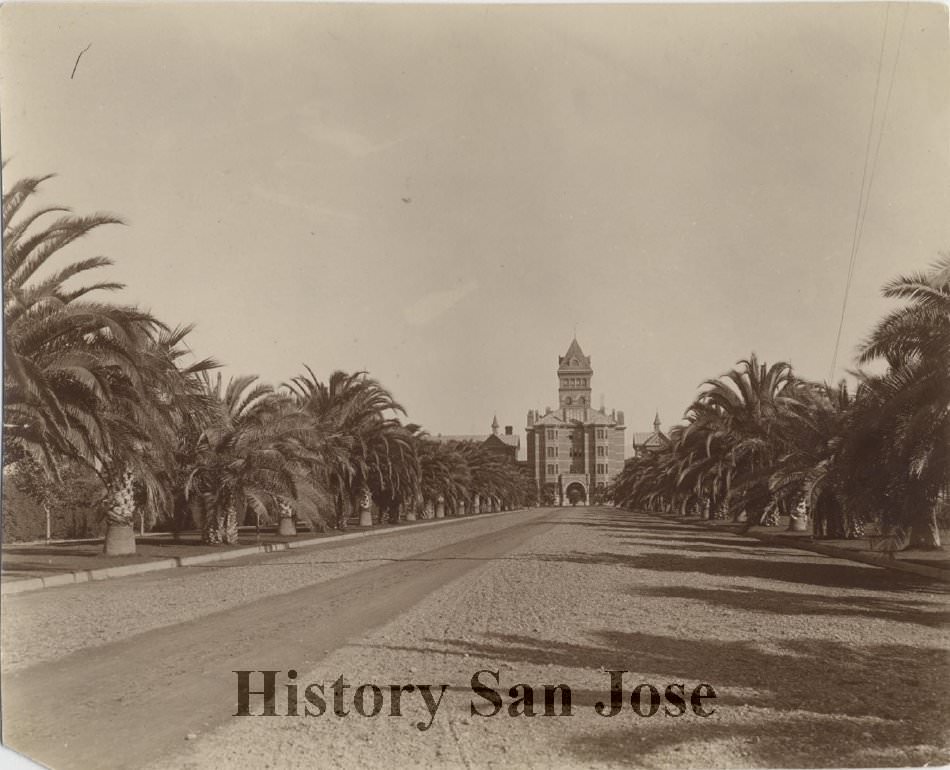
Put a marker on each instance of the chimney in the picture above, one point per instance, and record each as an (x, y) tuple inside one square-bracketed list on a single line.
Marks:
[(509, 430)]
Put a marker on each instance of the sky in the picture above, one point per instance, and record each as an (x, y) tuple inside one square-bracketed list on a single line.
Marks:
[(443, 195)]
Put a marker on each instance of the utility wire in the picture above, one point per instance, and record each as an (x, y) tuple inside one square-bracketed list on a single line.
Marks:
[(880, 135), (861, 196)]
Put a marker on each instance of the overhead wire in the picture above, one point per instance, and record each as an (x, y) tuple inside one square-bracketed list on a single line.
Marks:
[(868, 172)]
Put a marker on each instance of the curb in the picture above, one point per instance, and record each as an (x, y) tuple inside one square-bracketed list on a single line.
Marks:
[(847, 554), (105, 573), (935, 573)]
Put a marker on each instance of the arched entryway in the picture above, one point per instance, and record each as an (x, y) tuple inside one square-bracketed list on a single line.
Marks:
[(575, 494)]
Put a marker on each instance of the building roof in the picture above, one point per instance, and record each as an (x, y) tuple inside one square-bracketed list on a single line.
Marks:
[(512, 440), (574, 353), (653, 438), (594, 417), (506, 439), (444, 439), (550, 418)]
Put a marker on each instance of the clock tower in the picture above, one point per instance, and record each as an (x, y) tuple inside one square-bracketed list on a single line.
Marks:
[(574, 374)]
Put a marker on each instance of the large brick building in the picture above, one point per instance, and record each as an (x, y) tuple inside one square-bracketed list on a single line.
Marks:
[(574, 449)]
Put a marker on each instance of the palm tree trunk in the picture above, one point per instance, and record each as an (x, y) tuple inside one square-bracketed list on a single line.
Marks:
[(285, 525), (440, 507), (120, 533), (924, 531), (211, 529), (366, 508), (229, 534), (340, 512)]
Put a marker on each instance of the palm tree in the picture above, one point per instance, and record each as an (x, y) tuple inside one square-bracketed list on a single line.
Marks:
[(809, 470), (84, 380), (896, 457), (724, 454), (61, 350), (394, 472), (250, 458), (740, 413), (150, 420), (359, 413)]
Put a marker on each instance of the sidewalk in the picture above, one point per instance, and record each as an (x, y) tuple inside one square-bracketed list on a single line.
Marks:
[(29, 567), (927, 563)]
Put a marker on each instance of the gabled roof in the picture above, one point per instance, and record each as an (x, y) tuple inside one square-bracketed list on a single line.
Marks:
[(650, 439), (574, 353), (596, 417), (505, 439), (550, 419), (457, 437)]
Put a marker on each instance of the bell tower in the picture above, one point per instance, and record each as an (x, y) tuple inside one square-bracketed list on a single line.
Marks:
[(574, 376)]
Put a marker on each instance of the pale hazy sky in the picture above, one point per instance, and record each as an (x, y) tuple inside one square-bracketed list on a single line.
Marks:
[(439, 194)]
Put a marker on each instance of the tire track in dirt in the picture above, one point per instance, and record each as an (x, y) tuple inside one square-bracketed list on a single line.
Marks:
[(123, 704)]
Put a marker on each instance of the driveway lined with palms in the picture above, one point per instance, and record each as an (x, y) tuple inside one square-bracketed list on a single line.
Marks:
[(815, 661)]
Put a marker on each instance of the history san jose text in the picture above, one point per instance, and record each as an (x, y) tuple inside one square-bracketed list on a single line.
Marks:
[(259, 693)]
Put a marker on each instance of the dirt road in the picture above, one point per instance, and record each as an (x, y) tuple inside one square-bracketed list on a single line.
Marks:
[(129, 700), (813, 661)]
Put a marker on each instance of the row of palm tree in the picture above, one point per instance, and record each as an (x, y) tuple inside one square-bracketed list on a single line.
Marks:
[(111, 389), (759, 442)]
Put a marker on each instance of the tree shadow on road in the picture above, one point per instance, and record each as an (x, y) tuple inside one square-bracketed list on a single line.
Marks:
[(733, 542), (756, 599), (820, 572), (799, 702), (736, 549)]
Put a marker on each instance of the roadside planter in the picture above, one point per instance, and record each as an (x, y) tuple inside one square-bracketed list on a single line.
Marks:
[(120, 539), (366, 509), (798, 521)]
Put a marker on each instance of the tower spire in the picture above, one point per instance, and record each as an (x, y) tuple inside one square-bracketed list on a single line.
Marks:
[(656, 422), (495, 426)]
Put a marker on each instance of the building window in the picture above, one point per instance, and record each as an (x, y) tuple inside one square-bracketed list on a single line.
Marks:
[(601, 433), (600, 467), (550, 470), (600, 451), (552, 434)]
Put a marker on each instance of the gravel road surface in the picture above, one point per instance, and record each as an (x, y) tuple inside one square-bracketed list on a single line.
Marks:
[(814, 661)]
